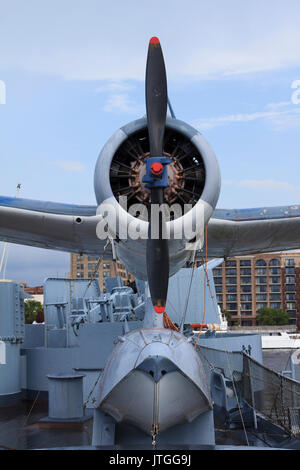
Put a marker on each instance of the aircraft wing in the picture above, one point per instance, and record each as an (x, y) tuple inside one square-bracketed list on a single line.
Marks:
[(72, 228), (234, 232), (55, 226)]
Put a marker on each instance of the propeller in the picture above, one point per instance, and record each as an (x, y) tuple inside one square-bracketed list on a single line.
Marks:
[(157, 253)]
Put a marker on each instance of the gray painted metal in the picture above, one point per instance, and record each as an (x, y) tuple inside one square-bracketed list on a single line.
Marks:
[(133, 393), (107, 432), (12, 334), (65, 397), (228, 238), (188, 284)]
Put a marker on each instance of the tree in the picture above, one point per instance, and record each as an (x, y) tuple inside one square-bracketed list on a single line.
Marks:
[(272, 316), (32, 307), (227, 314)]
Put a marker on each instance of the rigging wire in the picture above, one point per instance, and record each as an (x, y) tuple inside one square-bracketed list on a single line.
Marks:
[(189, 293), (97, 267)]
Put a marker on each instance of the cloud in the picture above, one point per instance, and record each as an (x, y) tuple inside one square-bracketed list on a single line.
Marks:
[(120, 102), (68, 165), (113, 87), (278, 119), (101, 41), (280, 104)]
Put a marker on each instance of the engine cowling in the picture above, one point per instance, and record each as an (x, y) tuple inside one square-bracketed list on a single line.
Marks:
[(194, 186)]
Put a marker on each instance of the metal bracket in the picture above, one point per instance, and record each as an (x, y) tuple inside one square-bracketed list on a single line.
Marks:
[(159, 180)]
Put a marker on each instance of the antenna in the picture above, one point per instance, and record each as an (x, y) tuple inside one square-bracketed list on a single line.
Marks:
[(4, 256)]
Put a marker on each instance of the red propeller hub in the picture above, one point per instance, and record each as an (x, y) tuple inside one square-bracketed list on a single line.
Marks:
[(157, 168), (159, 309)]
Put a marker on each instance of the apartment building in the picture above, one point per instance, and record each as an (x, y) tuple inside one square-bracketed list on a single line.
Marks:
[(84, 266), (244, 284)]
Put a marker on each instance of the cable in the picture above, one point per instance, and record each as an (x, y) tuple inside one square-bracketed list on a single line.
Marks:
[(96, 268), (188, 296)]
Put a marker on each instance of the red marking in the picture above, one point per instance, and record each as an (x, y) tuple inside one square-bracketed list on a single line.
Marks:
[(154, 40), (159, 309), (156, 168)]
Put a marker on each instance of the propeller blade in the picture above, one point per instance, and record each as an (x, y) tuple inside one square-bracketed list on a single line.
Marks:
[(157, 254), (156, 97), (157, 257)]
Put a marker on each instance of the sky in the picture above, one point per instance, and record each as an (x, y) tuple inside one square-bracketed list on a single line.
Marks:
[(74, 71)]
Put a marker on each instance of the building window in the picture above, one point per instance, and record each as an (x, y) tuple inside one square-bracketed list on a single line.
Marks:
[(245, 262), (274, 262), (246, 297), (231, 289), (245, 288), (231, 280), (260, 262), (106, 266), (247, 306), (289, 262), (275, 297), (261, 280), (290, 279), (275, 288), (260, 271), (275, 304), (217, 272), (274, 271), (246, 323), (231, 263), (290, 305), (92, 266), (260, 305), (231, 297), (275, 280), (289, 270), (219, 298), (92, 258), (106, 273), (79, 275), (261, 289), (80, 266), (231, 306), (245, 280), (290, 297), (245, 271), (79, 258), (261, 296), (218, 289), (290, 288), (231, 272), (218, 280)]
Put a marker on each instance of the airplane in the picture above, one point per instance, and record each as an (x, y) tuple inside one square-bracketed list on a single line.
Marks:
[(154, 160)]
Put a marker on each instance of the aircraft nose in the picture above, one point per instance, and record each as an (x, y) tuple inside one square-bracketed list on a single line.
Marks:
[(157, 367)]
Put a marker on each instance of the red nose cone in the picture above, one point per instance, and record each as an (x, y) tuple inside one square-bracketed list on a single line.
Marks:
[(154, 40), (159, 309), (157, 168)]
